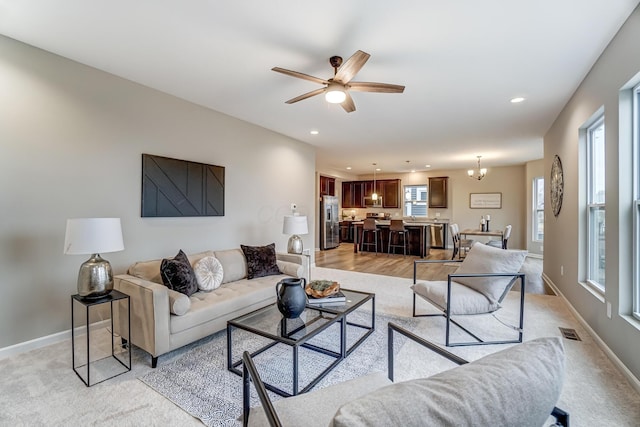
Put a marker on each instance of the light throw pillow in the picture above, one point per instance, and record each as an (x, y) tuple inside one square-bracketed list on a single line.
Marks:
[(261, 260), (290, 268), (179, 304), (177, 274), (518, 386), (209, 273), (487, 259)]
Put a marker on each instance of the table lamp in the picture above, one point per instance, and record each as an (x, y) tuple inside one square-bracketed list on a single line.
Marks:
[(93, 236), (295, 225)]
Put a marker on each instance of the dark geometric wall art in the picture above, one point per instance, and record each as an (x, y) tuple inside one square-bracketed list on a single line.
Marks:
[(175, 188)]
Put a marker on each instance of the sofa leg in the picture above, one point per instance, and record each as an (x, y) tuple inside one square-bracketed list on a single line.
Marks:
[(154, 362)]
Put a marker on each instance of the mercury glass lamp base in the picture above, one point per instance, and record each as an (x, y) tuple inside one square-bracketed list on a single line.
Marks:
[(95, 278), (295, 245)]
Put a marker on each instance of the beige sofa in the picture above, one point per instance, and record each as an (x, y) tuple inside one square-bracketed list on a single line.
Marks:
[(163, 320)]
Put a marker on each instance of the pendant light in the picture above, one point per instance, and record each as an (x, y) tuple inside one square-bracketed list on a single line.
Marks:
[(479, 173), (374, 196)]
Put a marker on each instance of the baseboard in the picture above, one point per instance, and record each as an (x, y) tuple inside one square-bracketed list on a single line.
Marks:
[(41, 342), (23, 347), (635, 383)]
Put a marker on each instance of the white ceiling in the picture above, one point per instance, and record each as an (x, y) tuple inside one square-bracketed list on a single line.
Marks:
[(461, 62)]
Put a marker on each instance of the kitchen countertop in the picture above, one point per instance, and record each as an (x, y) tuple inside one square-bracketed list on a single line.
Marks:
[(420, 222)]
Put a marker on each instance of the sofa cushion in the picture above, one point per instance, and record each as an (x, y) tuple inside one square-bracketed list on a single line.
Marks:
[(486, 259), (209, 273), (517, 386), (177, 274), (464, 300), (261, 260), (229, 300), (233, 263)]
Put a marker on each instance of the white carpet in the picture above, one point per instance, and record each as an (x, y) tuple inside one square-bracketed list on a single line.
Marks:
[(39, 388)]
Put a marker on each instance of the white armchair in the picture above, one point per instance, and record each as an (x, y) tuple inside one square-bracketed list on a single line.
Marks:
[(479, 286)]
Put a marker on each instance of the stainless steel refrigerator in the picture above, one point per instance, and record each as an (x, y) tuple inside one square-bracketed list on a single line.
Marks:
[(329, 223)]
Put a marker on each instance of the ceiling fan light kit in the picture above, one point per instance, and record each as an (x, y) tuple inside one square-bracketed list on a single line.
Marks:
[(335, 94), (337, 89)]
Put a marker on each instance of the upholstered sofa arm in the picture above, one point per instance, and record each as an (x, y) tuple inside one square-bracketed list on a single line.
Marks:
[(302, 261), (149, 313)]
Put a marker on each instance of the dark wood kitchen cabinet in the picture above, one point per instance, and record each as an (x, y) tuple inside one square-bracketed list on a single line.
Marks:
[(327, 186), (438, 191), (390, 193), (356, 194)]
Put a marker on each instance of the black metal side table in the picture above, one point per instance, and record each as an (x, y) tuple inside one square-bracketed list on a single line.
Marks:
[(107, 323)]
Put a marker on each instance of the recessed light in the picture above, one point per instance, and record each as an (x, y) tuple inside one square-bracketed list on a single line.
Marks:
[(517, 100), (413, 170), (378, 169), (348, 168), (427, 166), (314, 132)]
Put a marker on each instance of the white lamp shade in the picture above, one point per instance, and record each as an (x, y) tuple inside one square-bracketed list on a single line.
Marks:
[(93, 236), (295, 224)]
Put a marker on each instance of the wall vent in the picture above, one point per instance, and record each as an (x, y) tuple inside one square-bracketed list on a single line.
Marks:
[(570, 334)]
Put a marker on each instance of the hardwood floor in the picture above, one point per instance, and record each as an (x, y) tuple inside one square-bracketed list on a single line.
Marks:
[(343, 258)]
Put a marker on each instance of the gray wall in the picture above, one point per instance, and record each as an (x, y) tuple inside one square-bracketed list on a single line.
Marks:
[(619, 63), (71, 140)]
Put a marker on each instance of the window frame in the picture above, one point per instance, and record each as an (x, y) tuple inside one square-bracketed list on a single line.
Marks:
[(415, 200), (635, 93), (593, 207), (534, 222)]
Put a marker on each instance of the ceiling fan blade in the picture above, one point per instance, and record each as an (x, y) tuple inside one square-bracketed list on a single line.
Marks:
[(375, 87), (300, 75), (350, 68), (348, 104), (305, 96)]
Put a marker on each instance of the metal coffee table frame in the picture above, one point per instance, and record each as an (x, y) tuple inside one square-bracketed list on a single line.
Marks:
[(331, 314)]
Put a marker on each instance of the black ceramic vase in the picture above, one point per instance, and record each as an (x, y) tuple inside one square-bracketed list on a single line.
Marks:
[(291, 297)]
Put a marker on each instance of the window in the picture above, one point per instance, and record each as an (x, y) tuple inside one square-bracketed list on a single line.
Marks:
[(538, 209), (415, 200), (636, 196), (596, 204)]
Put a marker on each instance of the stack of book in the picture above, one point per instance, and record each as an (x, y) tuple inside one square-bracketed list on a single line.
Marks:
[(334, 299)]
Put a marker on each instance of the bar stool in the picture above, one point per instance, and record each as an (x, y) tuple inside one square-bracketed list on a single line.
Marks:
[(369, 226), (397, 228)]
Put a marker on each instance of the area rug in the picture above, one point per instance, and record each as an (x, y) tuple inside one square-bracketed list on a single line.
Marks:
[(201, 385)]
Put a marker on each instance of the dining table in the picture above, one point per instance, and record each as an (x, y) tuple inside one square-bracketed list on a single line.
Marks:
[(475, 232)]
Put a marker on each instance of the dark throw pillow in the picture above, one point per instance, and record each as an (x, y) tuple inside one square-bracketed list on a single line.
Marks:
[(177, 274), (261, 260)]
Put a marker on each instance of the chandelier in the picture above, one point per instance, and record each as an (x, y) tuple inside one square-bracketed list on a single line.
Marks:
[(478, 173)]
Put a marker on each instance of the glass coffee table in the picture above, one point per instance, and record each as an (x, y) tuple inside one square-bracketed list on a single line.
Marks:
[(322, 329)]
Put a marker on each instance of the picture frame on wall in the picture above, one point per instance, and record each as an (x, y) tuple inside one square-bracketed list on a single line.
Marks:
[(485, 200)]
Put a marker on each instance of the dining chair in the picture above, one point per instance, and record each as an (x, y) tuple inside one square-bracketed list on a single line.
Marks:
[(460, 246), (501, 243), (370, 227), (396, 228)]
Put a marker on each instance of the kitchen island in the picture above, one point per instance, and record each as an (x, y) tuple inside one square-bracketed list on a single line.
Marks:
[(419, 236)]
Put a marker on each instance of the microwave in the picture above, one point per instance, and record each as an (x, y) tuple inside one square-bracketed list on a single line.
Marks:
[(370, 203)]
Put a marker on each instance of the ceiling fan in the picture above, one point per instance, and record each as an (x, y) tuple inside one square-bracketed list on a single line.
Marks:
[(337, 88)]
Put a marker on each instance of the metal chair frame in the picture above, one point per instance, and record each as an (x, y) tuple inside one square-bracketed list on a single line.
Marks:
[(446, 312), (250, 374)]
